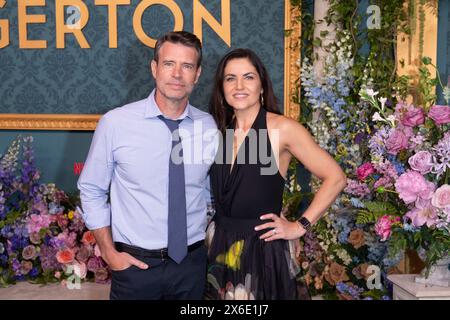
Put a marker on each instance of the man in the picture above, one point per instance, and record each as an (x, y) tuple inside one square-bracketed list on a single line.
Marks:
[(152, 231)]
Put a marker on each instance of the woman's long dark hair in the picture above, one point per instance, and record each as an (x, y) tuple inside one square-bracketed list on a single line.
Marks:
[(221, 111)]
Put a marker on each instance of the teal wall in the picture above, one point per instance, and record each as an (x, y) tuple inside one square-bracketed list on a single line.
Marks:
[(443, 50), (74, 80), (55, 153), (95, 80)]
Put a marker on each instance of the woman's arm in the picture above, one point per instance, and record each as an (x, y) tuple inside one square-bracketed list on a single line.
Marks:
[(296, 140)]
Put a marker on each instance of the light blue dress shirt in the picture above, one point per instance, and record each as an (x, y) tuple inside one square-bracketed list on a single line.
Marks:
[(129, 160)]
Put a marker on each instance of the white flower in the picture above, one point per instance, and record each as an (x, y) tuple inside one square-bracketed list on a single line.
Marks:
[(383, 102), (391, 119), (377, 117), (371, 92)]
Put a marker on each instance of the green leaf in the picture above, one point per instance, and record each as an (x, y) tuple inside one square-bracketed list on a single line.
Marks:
[(324, 33), (380, 207)]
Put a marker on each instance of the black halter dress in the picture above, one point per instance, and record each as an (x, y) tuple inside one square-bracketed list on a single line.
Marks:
[(240, 265)]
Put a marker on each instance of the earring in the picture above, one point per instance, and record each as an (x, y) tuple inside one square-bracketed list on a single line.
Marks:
[(262, 100)]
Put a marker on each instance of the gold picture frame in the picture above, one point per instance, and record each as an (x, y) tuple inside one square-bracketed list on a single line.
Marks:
[(88, 122)]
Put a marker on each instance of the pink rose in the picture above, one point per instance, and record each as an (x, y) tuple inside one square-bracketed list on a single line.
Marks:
[(29, 252), (440, 114), (421, 162), (35, 238), (383, 227), (413, 117), (412, 185), (65, 256), (441, 198), (365, 170), (396, 141), (26, 267)]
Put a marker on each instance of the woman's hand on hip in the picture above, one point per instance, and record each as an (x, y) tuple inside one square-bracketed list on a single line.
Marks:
[(280, 228)]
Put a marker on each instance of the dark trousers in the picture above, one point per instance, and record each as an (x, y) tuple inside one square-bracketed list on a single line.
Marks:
[(163, 280)]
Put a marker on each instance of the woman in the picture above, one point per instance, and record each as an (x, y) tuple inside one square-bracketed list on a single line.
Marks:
[(249, 258)]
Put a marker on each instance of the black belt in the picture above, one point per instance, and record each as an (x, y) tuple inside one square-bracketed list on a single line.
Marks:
[(155, 253)]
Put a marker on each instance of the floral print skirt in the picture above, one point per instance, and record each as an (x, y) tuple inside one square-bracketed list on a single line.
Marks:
[(243, 267)]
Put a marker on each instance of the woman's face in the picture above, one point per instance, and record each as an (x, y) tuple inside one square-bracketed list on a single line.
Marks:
[(241, 84)]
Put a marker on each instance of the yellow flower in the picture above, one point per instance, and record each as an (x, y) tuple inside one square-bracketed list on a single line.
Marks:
[(70, 214), (232, 258)]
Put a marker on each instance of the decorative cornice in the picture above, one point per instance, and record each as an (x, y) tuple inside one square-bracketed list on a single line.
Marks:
[(16, 121)]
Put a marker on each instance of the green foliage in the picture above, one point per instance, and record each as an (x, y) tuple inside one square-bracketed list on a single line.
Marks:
[(375, 210), (426, 88), (376, 70), (435, 243), (374, 294)]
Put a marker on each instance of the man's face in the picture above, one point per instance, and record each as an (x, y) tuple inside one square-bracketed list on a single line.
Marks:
[(176, 71)]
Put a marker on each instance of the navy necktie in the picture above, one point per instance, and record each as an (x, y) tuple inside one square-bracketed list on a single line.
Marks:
[(177, 226)]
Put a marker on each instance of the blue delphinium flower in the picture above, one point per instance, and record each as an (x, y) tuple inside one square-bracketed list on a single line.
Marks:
[(409, 227), (6, 231), (399, 167), (3, 259), (357, 203), (353, 290), (54, 208), (34, 272)]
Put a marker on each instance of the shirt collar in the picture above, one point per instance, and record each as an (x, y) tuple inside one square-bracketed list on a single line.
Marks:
[(152, 110)]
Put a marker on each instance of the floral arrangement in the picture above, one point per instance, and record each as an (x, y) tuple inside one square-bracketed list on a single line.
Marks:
[(404, 187), (342, 253), (395, 155), (336, 256), (42, 235)]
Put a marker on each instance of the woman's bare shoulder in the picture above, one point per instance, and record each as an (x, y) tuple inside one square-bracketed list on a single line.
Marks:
[(281, 122)]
